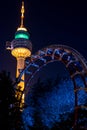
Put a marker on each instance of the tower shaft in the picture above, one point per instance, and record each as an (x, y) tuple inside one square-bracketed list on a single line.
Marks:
[(20, 67), (21, 85)]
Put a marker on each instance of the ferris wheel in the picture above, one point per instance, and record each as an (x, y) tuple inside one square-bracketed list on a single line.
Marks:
[(74, 62)]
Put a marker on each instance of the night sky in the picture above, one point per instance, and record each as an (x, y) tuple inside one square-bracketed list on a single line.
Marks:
[(48, 22)]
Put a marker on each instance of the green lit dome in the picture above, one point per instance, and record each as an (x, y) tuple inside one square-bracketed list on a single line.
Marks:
[(22, 34)]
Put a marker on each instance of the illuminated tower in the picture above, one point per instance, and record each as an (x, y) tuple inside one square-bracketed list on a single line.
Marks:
[(21, 48)]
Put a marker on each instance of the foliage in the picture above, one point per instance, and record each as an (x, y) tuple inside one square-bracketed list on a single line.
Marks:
[(10, 114), (45, 112), (6, 98), (11, 117)]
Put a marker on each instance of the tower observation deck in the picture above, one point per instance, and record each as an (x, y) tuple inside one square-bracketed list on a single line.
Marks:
[(21, 48)]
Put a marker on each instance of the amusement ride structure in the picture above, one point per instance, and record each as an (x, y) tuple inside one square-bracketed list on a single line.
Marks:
[(74, 62)]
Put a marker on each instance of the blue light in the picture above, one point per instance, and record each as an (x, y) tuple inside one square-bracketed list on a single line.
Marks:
[(50, 102)]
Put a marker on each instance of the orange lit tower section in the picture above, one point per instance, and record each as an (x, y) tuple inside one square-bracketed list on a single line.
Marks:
[(21, 48)]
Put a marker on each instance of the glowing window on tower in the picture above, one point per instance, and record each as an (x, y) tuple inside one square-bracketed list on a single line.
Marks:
[(21, 35)]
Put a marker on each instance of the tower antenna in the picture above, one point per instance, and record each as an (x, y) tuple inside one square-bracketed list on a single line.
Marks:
[(22, 14)]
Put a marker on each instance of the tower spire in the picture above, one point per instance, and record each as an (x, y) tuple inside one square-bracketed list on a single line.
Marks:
[(22, 18), (22, 14)]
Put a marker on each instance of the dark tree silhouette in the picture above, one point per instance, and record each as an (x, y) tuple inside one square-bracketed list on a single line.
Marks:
[(6, 98), (10, 114)]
